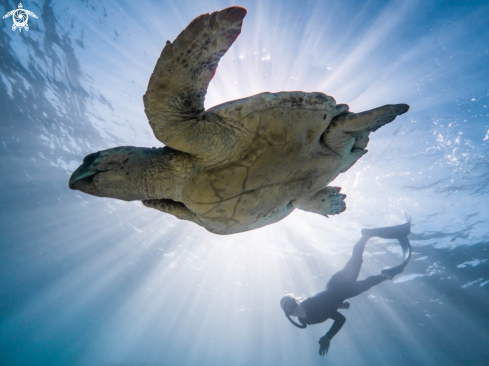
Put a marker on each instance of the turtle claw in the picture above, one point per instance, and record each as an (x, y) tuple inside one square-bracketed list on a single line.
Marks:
[(337, 204)]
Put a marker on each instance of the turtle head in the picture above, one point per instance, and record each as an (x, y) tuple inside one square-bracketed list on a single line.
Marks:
[(126, 173)]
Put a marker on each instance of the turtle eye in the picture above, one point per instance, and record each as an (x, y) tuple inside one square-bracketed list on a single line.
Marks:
[(89, 159)]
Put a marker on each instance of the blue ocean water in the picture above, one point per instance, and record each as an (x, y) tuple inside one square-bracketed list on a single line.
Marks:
[(94, 281)]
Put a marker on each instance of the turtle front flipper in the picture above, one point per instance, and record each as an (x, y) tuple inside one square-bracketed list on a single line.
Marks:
[(347, 135), (174, 100), (177, 209), (328, 201)]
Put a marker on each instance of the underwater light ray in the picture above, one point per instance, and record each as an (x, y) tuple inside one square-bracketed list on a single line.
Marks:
[(258, 58), (194, 299), (368, 45)]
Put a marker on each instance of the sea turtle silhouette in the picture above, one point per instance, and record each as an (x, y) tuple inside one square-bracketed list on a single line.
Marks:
[(20, 17)]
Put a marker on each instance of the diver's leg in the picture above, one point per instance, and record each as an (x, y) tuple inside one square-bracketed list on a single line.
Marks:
[(350, 272), (364, 285)]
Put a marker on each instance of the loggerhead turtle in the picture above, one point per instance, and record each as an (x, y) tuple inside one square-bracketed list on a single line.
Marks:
[(240, 165)]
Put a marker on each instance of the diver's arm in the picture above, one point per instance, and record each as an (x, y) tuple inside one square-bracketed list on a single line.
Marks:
[(325, 340), (339, 320)]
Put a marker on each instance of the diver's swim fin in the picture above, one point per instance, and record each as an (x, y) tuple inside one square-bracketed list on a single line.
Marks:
[(389, 232), (399, 232), (406, 249)]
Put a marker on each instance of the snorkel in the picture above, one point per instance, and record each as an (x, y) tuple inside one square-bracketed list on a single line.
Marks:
[(301, 326)]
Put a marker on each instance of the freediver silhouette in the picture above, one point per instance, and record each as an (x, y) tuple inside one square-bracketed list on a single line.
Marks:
[(344, 285)]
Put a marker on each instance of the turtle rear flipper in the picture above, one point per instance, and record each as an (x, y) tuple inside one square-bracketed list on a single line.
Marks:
[(174, 100), (328, 201), (347, 134)]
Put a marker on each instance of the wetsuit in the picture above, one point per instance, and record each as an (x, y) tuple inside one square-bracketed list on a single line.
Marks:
[(342, 285)]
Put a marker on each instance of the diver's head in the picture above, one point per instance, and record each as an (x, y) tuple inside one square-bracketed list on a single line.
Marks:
[(289, 303)]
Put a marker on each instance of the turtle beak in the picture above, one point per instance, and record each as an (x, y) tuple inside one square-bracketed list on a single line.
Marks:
[(82, 178)]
